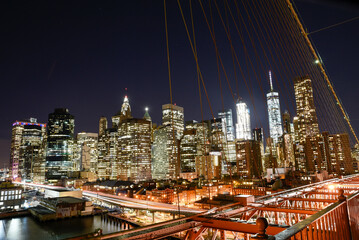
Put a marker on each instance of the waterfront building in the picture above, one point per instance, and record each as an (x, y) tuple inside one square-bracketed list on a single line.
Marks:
[(274, 116), (227, 121), (10, 196), (243, 126), (306, 115), (27, 150), (60, 140)]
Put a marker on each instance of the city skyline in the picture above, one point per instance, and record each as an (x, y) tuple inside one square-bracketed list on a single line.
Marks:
[(85, 108)]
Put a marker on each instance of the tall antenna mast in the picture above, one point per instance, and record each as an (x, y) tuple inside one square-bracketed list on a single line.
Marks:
[(270, 81)]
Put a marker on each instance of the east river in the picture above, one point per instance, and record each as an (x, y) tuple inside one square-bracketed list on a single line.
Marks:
[(28, 228)]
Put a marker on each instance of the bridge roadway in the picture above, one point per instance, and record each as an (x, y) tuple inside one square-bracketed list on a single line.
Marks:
[(125, 201), (141, 204), (282, 210)]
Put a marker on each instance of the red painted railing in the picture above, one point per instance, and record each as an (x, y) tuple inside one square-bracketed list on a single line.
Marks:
[(338, 221)]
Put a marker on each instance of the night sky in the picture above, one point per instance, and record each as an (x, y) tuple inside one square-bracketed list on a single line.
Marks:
[(81, 55)]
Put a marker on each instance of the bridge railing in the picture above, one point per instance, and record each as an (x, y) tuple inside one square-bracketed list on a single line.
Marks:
[(338, 221), (353, 211)]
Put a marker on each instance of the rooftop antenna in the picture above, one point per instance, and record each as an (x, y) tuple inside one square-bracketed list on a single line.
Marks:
[(270, 81)]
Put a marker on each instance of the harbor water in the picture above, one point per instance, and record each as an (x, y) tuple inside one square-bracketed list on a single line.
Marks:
[(28, 228)]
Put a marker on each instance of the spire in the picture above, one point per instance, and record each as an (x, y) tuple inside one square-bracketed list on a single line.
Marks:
[(126, 109), (270, 81), (147, 115)]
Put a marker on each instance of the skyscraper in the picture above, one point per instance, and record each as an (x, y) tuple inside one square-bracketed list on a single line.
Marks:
[(249, 159), (173, 121), (147, 115), (102, 126), (287, 122), (27, 150), (188, 151), (107, 154), (339, 158), (125, 113), (307, 117), (173, 115), (243, 126), (274, 116), (160, 163), (87, 151), (134, 149), (60, 140), (227, 122)]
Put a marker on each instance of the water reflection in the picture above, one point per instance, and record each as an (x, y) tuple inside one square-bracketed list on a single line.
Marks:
[(28, 228)]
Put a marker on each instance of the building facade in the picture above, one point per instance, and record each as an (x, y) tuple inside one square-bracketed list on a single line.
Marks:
[(306, 114), (134, 150), (60, 144), (27, 150), (274, 115), (243, 126), (227, 122)]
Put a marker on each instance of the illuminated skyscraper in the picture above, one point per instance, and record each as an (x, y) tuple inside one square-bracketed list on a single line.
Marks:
[(227, 122), (173, 121), (125, 113), (249, 159), (160, 163), (27, 150), (107, 154), (134, 149), (210, 166), (147, 115), (274, 116), (173, 115), (243, 126), (102, 126), (60, 140), (188, 151), (307, 117), (287, 122), (339, 158), (86, 156)]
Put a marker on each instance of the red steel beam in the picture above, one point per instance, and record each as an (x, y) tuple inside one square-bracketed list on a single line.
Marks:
[(287, 210), (231, 225), (311, 200)]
